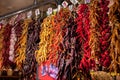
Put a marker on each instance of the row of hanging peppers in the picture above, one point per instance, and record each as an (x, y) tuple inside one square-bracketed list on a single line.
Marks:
[(75, 42)]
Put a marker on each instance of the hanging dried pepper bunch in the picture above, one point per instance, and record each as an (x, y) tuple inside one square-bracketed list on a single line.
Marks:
[(68, 59), (6, 43), (53, 45), (18, 26), (1, 44), (58, 23), (21, 45), (83, 31), (114, 17), (94, 32), (29, 65), (46, 35), (105, 31)]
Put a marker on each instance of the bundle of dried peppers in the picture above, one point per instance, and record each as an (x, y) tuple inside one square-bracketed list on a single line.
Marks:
[(114, 17), (68, 59), (46, 35), (21, 44), (29, 66), (83, 31), (105, 31), (94, 33)]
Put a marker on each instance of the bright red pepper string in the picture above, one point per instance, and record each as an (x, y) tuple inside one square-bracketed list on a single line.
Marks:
[(84, 34)]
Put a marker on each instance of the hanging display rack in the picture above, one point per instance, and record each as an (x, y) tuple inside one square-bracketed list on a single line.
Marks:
[(35, 5)]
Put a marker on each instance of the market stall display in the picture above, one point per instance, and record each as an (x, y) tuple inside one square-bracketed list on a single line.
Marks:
[(72, 44)]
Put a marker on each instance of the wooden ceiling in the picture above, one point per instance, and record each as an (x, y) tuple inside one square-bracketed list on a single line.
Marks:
[(8, 6)]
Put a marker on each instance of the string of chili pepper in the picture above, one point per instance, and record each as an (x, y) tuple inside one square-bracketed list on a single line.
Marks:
[(83, 31), (114, 17), (53, 46), (6, 43), (95, 33), (68, 59), (46, 35), (1, 44), (29, 66), (21, 45), (105, 32), (58, 23)]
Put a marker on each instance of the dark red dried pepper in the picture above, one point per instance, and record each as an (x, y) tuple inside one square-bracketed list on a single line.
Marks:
[(105, 31)]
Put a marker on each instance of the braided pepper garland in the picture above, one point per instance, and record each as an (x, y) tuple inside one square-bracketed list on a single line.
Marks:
[(18, 31), (1, 44), (83, 31), (21, 45), (58, 22), (53, 45), (94, 32), (68, 59), (46, 35), (105, 31), (29, 65), (114, 17)]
